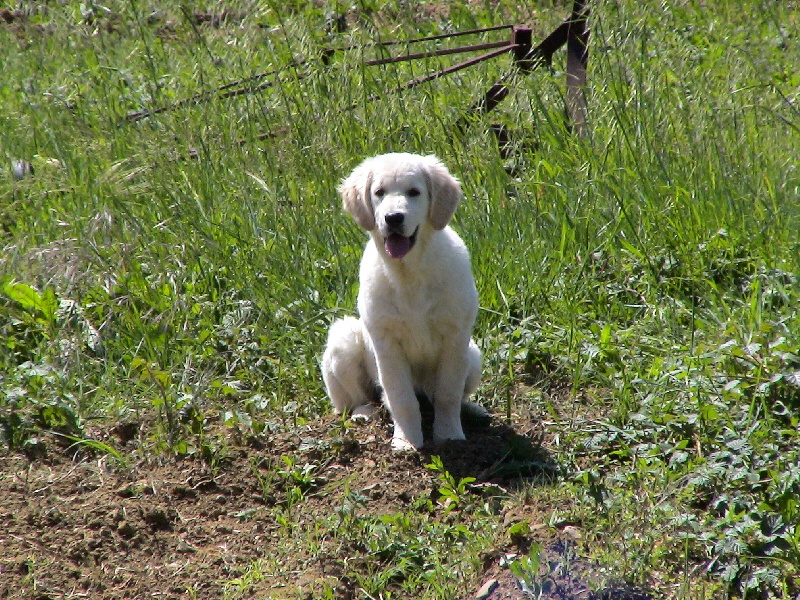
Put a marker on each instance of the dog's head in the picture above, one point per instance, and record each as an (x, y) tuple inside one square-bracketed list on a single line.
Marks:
[(395, 195)]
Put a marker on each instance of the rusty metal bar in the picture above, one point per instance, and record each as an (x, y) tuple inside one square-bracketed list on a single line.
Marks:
[(527, 58), (449, 70), (204, 96), (441, 52), (430, 38), (552, 42), (222, 92)]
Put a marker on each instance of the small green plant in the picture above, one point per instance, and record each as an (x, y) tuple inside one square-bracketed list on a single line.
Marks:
[(98, 447), (453, 494), (301, 477), (37, 308), (31, 569), (249, 576), (526, 571), (14, 429)]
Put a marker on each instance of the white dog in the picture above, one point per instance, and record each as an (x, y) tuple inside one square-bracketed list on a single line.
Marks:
[(417, 302)]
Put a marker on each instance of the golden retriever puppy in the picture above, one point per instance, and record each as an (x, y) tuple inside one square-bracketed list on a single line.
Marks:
[(417, 302)]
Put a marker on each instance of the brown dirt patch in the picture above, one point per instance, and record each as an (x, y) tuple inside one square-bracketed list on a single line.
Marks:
[(84, 526)]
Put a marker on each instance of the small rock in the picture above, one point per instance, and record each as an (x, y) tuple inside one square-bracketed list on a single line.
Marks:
[(486, 589), (7, 15)]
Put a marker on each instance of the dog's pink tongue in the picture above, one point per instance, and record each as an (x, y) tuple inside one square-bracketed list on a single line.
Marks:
[(397, 246)]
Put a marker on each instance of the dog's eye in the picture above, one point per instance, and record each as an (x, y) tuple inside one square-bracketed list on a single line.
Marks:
[(380, 192), (413, 192)]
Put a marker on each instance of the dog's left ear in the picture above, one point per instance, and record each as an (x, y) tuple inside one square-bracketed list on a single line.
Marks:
[(444, 191)]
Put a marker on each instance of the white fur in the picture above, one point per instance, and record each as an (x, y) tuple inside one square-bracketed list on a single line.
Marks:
[(416, 311)]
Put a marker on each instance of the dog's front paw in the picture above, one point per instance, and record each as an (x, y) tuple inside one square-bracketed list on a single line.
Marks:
[(447, 431), (365, 412), (448, 438), (401, 444)]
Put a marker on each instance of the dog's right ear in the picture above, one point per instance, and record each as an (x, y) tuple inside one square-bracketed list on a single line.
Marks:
[(355, 191)]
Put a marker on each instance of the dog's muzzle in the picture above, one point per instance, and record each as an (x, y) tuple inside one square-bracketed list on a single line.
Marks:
[(398, 245)]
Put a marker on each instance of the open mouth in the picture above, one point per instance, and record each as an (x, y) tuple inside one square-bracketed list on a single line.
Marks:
[(397, 246)]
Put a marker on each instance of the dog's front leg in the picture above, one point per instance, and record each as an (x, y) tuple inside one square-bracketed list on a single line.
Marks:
[(449, 392), (399, 395)]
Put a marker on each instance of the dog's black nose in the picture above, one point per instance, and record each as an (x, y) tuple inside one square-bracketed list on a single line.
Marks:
[(395, 219)]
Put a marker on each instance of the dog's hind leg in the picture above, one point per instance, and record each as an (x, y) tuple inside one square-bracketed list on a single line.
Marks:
[(345, 369), (473, 410)]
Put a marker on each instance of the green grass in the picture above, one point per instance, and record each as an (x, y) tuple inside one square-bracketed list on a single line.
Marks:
[(649, 269)]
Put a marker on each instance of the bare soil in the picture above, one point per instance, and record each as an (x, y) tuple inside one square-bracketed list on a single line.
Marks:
[(82, 525)]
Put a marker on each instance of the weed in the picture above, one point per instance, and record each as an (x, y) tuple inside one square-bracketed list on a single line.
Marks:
[(526, 570), (302, 478), (454, 495)]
